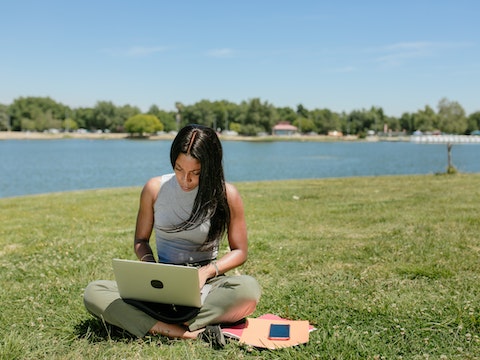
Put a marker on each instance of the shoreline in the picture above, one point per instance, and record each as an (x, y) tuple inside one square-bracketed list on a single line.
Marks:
[(20, 135), (27, 135)]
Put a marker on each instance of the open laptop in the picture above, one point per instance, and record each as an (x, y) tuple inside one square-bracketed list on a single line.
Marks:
[(159, 283)]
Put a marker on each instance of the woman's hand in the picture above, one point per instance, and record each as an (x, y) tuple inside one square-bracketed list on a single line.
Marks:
[(204, 273)]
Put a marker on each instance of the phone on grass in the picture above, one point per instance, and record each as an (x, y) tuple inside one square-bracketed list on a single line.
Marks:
[(279, 332)]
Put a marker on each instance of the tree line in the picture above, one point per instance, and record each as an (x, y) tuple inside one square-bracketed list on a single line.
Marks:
[(247, 118)]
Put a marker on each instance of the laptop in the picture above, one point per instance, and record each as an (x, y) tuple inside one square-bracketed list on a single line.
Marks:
[(159, 283)]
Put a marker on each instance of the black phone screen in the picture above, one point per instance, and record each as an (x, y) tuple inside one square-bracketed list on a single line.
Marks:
[(279, 332)]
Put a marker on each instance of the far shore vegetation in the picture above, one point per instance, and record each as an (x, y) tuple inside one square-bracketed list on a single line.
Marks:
[(383, 267), (250, 118)]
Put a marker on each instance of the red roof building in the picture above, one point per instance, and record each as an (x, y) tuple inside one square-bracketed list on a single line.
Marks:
[(284, 128)]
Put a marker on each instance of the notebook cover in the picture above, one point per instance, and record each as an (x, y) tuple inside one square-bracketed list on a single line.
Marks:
[(237, 331)]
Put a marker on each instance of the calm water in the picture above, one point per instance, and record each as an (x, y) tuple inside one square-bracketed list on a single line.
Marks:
[(36, 166)]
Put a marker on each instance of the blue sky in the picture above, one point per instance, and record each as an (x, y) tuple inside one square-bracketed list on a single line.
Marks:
[(340, 55)]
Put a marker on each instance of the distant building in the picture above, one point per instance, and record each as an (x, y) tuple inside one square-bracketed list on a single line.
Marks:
[(335, 133), (284, 128)]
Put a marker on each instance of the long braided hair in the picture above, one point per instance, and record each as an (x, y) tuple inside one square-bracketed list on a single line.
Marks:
[(203, 144)]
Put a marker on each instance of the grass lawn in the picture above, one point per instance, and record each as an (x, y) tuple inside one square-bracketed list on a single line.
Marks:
[(384, 267)]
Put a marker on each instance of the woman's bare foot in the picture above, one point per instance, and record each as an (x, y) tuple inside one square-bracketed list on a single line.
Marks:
[(173, 331), (211, 334)]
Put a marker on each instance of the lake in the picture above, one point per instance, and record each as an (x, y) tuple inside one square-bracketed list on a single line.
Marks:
[(43, 166)]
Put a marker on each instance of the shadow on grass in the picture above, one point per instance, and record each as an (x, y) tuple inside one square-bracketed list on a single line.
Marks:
[(95, 331)]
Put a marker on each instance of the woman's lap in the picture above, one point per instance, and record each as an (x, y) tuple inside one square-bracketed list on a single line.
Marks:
[(230, 299)]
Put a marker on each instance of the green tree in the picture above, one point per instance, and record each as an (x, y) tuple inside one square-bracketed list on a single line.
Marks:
[(217, 114), (199, 113), (451, 117), (122, 114), (27, 124), (221, 110), (4, 118), (248, 118), (226, 111), (167, 118), (425, 120), (259, 117), (238, 115), (407, 122), (302, 111), (364, 120), (105, 116), (474, 122), (43, 111), (46, 120), (85, 118), (235, 127), (325, 121), (69, 125), (287, 114), (142, 124), (393, 123), (357, 122), (304, 125), (377, 119)]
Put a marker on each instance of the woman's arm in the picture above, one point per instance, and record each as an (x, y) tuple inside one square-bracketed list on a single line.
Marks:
[(144, 227), (237, 238)]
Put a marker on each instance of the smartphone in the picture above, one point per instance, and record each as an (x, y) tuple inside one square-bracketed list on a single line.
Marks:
[(279, 332)]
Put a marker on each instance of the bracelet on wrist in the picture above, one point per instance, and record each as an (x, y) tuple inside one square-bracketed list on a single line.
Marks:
[(217, 272)]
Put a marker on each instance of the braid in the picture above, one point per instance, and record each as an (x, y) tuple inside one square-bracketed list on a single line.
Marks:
[(202, 143)]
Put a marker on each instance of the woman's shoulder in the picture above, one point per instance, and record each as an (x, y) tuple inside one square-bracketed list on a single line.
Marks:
[(232, 193), (153, 185), (157, 181), (230, 187)]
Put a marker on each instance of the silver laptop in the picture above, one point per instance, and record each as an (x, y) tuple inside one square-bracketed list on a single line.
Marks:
[(161, 283)]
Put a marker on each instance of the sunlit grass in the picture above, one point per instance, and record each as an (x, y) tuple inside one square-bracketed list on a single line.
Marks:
[(384, 267)]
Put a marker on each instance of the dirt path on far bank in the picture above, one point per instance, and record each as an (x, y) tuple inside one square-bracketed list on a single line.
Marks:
[(21, 135)]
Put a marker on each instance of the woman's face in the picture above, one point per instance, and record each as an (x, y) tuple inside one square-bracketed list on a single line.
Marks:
[(187, 171)]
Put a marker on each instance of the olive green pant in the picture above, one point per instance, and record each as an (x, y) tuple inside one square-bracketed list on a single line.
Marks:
[(230, 299)]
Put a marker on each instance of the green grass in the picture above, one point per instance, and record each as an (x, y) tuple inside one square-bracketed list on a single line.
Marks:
[(384, 267)]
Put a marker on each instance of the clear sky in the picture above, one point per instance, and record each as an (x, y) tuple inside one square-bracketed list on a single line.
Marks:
[(341, 55)]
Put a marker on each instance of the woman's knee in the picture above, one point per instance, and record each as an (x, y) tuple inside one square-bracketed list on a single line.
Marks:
[(251, 287), (98, 295)]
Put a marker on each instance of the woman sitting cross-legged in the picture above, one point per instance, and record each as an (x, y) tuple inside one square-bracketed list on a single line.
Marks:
[(190, 210)]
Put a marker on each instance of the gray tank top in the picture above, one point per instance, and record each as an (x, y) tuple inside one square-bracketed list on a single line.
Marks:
[(172, 207)]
